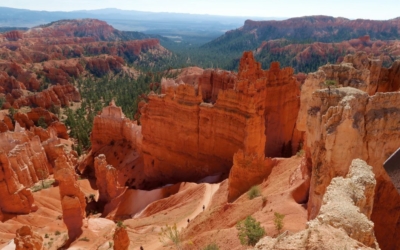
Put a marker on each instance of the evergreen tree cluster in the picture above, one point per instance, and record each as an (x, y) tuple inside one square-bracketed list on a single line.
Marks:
[(98, 92)]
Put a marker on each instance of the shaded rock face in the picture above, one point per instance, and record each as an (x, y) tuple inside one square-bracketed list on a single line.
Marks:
[(121, 239), (247, 171), (344, 218), (346, 122), (72, 198), (27, 239), (185, 138)]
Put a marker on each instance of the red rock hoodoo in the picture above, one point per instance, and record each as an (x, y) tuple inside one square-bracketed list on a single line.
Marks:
[(72, 198)]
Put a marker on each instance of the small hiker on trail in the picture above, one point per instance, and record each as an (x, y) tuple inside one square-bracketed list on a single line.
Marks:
[(204, 207), (141, 248), (188, 220)]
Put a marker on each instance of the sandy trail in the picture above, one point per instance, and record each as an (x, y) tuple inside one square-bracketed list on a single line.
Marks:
[(208, 194)]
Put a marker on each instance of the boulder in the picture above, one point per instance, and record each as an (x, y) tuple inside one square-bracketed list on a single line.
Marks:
[(27, 239)]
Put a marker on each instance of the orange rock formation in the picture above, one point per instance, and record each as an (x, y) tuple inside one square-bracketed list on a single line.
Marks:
[(185, 138), (23, 163), (121, 239), (106, 179), (27, 239), (247, 171), (119, 139), (72, 198)]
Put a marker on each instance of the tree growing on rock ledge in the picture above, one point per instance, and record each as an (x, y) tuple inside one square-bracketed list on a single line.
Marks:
[(278, 221), (250, 231)]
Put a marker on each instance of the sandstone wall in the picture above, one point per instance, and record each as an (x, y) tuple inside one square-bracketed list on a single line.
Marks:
[(344, 124)]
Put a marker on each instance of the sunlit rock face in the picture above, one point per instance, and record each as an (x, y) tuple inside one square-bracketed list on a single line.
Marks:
[(192, 131)]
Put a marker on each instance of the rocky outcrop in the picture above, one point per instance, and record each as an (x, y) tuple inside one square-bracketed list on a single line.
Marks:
[(359, 71), (32, 117), (106, 179), (13, 35), (181, 131), (120, 140), (59, 95), (102, 65), (112, 126), (72, 198), (27, 239), (346, 122), (121, 239), (247, 171), (343, 220)]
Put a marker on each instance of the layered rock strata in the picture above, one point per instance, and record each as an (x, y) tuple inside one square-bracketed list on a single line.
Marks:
[(346, 122), (343, 220), (186, 138)]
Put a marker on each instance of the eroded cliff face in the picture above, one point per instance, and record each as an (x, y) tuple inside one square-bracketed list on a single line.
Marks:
[(190, 131), (344, 218), (344, 124)]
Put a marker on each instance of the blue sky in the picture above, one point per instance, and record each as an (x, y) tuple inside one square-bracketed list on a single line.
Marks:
[(368, 9)]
